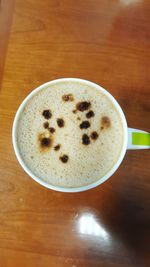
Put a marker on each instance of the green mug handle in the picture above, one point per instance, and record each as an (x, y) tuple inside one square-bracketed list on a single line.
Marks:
[(138, 139)]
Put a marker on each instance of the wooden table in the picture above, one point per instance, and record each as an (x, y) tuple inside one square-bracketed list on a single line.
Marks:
[(107, 42)]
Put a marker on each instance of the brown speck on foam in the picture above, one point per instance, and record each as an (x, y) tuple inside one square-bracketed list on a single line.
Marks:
[(46, 124), (60, 122), (85, 139), (85, 125), (94, 135), (64, 158), (44, 142), (74, 111), (82, 106), (52, 130), (105, 122), (47, 114), (57, 147), (68, 97), (90, 114)]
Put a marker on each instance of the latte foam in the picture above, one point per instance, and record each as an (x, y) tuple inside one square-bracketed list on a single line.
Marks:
[(70, 134)]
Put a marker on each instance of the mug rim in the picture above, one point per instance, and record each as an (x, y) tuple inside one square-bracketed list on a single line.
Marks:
[(59, 188)]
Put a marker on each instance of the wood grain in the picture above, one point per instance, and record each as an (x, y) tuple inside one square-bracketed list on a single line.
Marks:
[(106, 42), (6, 11)]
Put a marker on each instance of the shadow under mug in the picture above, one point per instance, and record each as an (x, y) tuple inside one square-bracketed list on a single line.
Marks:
[(133, 138)]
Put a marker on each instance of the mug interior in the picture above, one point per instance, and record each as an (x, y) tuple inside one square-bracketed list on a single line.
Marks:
[(74, 189)]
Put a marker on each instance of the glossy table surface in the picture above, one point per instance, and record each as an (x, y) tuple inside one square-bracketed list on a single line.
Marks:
[(106, 42)]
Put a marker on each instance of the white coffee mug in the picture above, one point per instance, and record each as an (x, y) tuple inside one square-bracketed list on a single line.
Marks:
[(133, 138)]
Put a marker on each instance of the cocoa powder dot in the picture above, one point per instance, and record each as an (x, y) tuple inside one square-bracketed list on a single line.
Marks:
[(85, 139), (90, 114), (64, 158), (51, 129), (105, 122), (46, 125), (57, 147), (82, 106), (45, 142), (60, 122), (47, 114), (85, 125), (68, 97), (94, 135)]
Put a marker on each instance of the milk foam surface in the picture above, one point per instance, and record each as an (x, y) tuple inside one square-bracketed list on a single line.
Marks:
[(86, 163)]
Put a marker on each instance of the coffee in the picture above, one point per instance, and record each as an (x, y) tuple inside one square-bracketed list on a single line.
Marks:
[(70, 134)]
